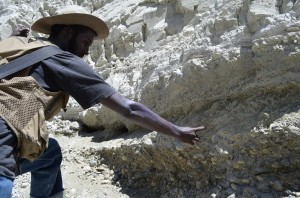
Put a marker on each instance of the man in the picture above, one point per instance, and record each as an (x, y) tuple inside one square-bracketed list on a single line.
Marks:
[(73, 31)]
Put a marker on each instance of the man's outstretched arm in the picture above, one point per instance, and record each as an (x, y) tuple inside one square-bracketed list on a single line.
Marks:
[(143, 116)]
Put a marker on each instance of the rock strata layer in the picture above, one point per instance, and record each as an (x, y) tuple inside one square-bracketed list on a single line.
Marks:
[(230, 65)]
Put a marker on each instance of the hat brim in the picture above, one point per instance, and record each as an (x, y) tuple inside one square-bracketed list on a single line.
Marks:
[(44, 25)]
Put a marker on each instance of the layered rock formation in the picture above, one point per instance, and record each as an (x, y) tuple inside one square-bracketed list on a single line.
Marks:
[(230, 65)]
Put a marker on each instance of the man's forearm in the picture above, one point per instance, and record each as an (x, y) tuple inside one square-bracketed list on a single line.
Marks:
[(139, 114), (143, 116)]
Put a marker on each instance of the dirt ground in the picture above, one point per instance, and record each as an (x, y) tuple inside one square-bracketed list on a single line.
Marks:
[(80, 177)]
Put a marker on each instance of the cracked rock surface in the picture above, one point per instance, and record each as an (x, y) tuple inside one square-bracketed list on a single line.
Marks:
[(231, 65)]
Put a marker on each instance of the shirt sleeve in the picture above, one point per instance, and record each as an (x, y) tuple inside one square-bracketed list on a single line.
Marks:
[(75, 77)]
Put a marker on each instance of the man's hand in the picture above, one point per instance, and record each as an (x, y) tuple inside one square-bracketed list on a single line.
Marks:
[(20, 30), (188, 134)]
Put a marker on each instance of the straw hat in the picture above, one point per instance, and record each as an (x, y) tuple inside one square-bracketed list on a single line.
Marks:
[(72, 15)]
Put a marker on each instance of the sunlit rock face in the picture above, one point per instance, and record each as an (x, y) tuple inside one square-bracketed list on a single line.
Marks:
[(232, 66)]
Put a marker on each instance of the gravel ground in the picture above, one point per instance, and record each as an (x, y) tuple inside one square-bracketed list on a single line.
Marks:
[(81, 178)]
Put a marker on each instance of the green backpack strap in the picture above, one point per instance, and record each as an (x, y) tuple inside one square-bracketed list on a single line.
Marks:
[(28, 60)]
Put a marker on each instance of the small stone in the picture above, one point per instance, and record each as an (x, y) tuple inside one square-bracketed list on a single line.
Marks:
[(234, 180), (234, 187), (275, 165), (246, 181), (241, 162), (24, 185), (263, 187), (259, 178), (248, 192), (92, 163), (148, 142), (111, 173), (107, 175), (87, 168), (225, 184), (105, 181), (214, 160), (231, 196), (277, 185), (293, 29)]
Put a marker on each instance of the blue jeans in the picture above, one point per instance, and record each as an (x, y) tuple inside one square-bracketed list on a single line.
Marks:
[(45, 171), (6, 186)]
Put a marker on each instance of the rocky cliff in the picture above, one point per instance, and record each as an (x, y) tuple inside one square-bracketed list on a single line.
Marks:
[(232, 66)]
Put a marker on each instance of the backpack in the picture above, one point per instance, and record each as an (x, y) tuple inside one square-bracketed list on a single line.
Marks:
[(23, 91), (16, 46)]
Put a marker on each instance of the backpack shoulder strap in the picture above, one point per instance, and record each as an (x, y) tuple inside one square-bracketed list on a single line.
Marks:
[(28, 60)]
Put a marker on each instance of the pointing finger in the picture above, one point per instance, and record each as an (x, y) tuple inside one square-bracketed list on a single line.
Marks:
[(200, 128)]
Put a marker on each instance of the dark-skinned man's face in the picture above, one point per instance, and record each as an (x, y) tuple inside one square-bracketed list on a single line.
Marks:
[(80, 43)]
